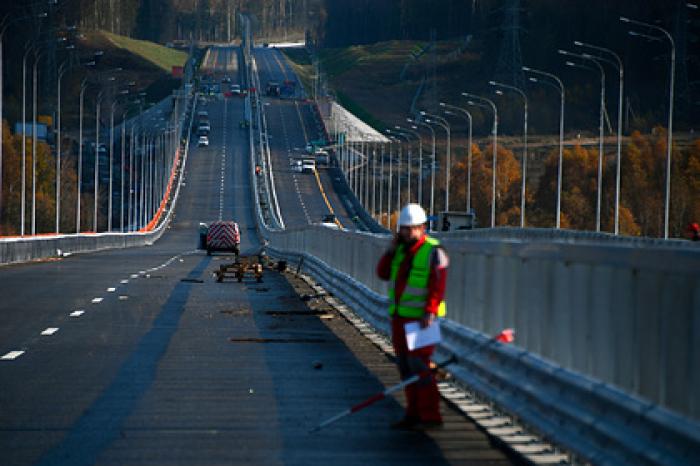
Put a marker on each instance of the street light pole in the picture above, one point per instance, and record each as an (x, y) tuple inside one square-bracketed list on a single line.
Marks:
[(432, 175), (561, 89), (121, 173), (61, 71), (468, 116), (381, 186), (83, 87), (37, 56), (620, 68), (98, 105), (28, 49), (601, 129), (495, 151), (669, 136), (4, 24), (442, 122), (524, 162), (415, 134)]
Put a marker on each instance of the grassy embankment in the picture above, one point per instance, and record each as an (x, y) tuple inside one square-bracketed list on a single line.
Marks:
[(163, 57)]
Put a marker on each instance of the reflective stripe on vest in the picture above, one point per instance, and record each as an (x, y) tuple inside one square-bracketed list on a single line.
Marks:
[(414, 297)]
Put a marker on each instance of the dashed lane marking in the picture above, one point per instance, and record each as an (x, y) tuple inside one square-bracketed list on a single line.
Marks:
[(50, 331), (12, 355), (97, 300), (76, 313), (111, 290)]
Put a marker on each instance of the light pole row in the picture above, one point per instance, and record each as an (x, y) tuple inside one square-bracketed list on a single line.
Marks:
[(603, 56)]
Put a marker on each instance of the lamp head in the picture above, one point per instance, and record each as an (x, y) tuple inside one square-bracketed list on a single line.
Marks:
[(493, 83), (578, 42), (624, 19)]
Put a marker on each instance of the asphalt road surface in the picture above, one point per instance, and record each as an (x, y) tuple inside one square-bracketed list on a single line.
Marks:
[(138, 356), (304, 197)]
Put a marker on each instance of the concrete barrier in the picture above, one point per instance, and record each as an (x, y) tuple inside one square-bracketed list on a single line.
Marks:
[(25, 249)]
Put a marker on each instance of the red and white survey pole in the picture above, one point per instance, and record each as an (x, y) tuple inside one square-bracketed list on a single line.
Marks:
[(505, 336)]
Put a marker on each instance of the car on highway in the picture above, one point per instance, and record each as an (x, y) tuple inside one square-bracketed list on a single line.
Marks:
[(322, 157), (204, 129), (235, 89), (220, 236), (296, 166), (330, 221), (308, 166), (203, 141), (273, 89)]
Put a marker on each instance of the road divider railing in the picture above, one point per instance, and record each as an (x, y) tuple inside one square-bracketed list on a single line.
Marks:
[(263, 159), (41, 247), (608, 343)]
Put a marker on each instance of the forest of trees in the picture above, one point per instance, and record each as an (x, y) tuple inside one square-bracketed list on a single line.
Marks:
[(642, 187), (545, 26)]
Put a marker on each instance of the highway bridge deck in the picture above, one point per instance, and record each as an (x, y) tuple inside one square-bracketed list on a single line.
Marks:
[(153, 362)]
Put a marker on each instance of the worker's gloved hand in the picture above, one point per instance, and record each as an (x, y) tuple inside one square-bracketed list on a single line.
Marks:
[(427, 320)]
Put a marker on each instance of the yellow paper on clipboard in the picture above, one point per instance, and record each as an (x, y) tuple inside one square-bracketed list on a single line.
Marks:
[(417, 337)]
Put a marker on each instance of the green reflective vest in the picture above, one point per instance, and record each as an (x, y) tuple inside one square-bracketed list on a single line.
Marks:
[(414, 296)]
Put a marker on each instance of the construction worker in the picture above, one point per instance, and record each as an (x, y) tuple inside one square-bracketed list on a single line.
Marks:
[(416, 265)]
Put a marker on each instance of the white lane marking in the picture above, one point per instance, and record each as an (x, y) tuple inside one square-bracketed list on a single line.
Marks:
[(134, 276), (12, 355), (141, 272), (123, 298), (97, 300), (172, 259), (124, 282), (111, 290), (77, 313), (50, 331)]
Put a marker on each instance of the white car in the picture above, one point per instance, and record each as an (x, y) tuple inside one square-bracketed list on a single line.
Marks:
[(203, 141), (235, 89), (296, 166), (308, 166)]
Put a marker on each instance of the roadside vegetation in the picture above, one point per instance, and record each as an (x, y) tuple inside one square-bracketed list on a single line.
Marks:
[(163, 57)]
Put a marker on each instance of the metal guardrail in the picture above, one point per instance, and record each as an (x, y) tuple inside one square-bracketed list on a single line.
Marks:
[(597, 421)]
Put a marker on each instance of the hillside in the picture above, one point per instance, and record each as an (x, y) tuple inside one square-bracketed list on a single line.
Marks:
[(163, 57)]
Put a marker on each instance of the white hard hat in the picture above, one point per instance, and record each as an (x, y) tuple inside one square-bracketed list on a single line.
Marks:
[(412, 215)]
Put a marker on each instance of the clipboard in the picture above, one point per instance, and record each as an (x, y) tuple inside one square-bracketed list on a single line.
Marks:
[(417, 337)]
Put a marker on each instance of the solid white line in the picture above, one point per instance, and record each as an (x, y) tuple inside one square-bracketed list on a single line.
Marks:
[(97, 300), (77, 313), (12, 355), (111, 290), (50, 331)]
